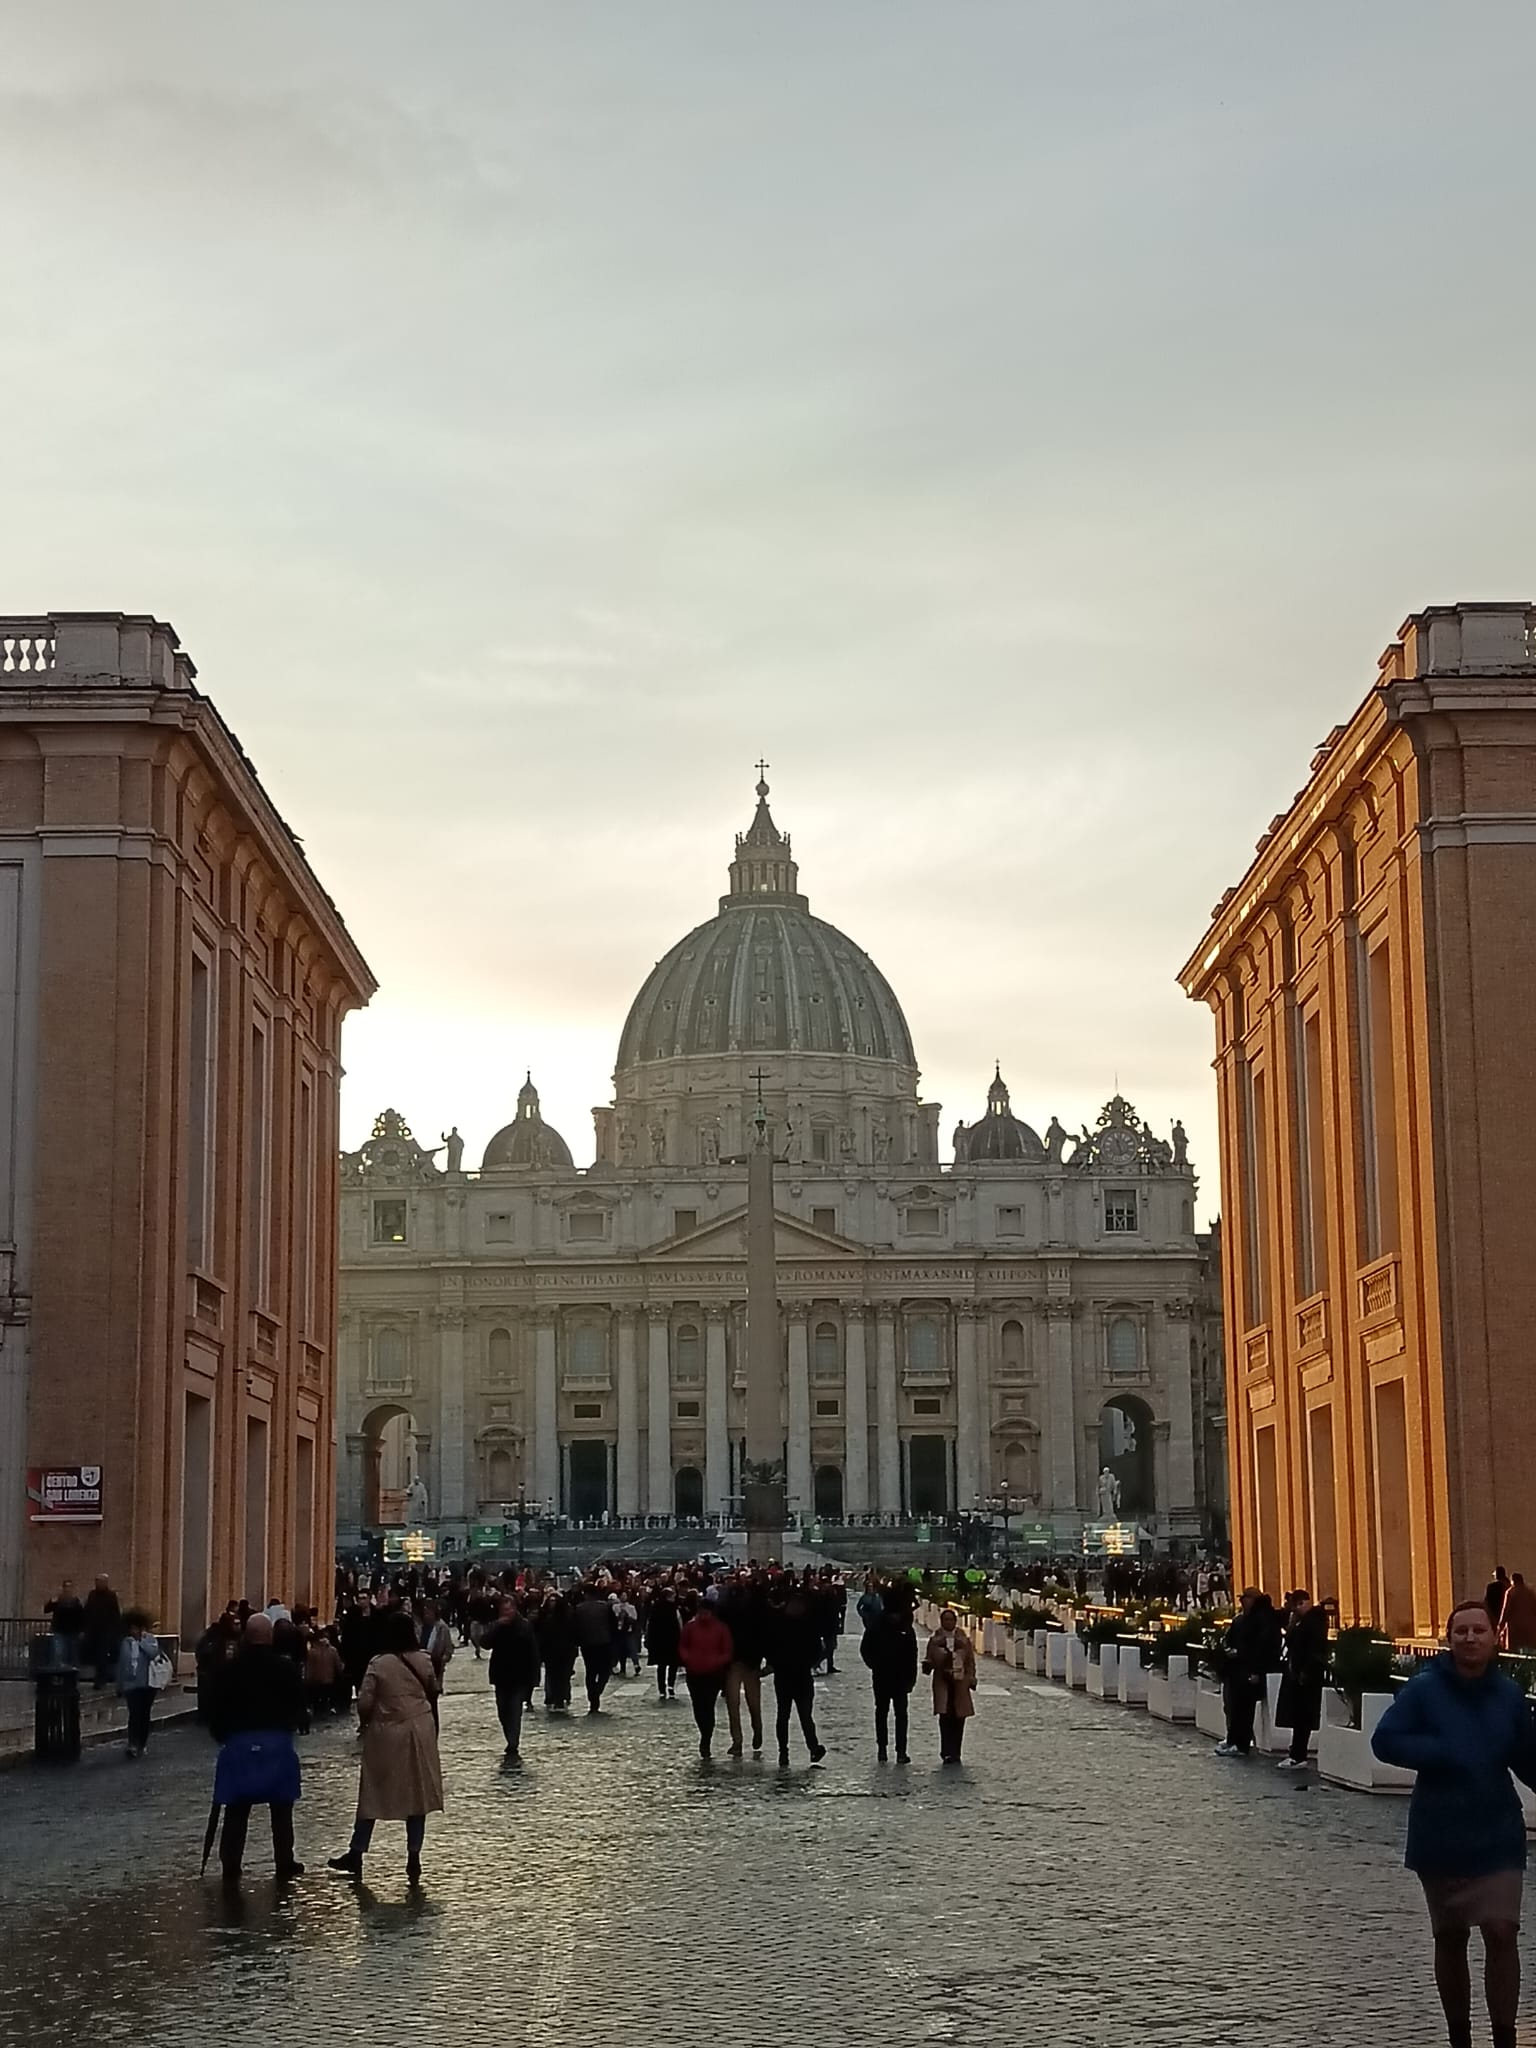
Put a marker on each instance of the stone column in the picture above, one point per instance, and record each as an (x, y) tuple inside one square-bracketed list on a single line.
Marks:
[(627, 1482), (15, 1354), (1160, 1480), (1060, 1401), (855, 1412), (357, 1449), (717, 1432), (967, 1410), (802, 1497), (1180, 1499), (450, 1383), (546, 1412), (659, 1498), (887, 1426)]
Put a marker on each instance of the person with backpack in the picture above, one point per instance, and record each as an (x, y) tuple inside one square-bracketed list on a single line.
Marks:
[(889, 1649)]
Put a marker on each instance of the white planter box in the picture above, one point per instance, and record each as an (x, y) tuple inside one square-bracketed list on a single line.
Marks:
[(1103, 1681), (1077, 1662), (1171, 1696), (1268, 1734), (1033, 1658), (1012, 1646), (1133, 1677), (992, 1635), (1210, 1714), (1056, 1648), (1344, 1754)]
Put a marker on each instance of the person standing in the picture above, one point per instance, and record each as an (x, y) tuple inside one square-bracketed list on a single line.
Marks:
[(436, 1639), (705, 1648), (595, 1639), (951, 1660), (794, 1650), (1304, 1664), (323, 1674), (556, 1635), (746, 1618), (663, 1628), (1498, 1586), (889, 1648), (1517, 1617), (401, 1776), (513, 1672), (1252, 1649), (66, 1615), (255, 1707), (102, 1631), (1463, 1726), (137, 1653)]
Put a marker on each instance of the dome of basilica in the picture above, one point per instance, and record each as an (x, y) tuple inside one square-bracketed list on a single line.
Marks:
[(999, 1134), (527, 1140), (764, 975)]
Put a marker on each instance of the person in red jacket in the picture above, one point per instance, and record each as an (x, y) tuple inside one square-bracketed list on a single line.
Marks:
[(705, 1650)]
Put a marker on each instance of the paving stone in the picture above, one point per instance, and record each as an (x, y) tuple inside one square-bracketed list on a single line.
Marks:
[(1091, 1878)]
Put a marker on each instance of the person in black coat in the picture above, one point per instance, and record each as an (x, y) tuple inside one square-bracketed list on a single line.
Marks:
[(597, 1639), (1304, 1663), (663, 1628), (1253, 1650), (889, 1648), (795, 1648), (555, 1631), (255, 1706), (102, 1630), (513, 1672)]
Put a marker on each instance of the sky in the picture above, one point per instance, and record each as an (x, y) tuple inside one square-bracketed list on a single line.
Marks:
[(1024, 424)]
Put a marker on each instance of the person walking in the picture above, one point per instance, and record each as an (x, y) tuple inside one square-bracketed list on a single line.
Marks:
[(1463, 1726), (102, 1631), (323, 1674), (794, 1650), (705, 1648), (255, 1707), (1498, 1586), (889, 1649), (401, 1776), (1304, 1665), (951, 1660), (663, 1628), (66, 1616), (595, 1638), (745, 1614), (1517, 1617), (555, 1632), (138, 1652), (1252, 1650), (436, 1639), (513, 1672)]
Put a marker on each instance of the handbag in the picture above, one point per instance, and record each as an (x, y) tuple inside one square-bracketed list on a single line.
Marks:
[(160, 1673)]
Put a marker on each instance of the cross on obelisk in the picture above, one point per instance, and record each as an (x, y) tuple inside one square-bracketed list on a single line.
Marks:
[(763, 1482)]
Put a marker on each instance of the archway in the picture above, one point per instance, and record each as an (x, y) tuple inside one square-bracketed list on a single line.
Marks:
[(389, 1465), (828, 1493), (1125, 1447), (688, 1494)]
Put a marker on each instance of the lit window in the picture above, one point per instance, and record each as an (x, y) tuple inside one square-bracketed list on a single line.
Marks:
[(1120, 1211), (389, 1222)]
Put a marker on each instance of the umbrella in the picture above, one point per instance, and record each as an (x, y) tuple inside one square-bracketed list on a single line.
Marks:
[(210, 1835)]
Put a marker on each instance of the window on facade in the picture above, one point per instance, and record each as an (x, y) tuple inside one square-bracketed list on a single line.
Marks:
[(1256, 1177), (826, 1352), (304, 1205), (389, 1220), (388, 1358), (1380, 1103), (1012, 1346), (923, 1350), (201, 1097), (498, 1355), (258, 1171), (498, 1227), (687, 1411), (587, 1411), (925, 1404), (687, 1363), (585, 1226), (1010, 1220), (821, 1142), (588, 1352), (829, 1407), (684, 1220), (1119, 1211), (824, 1219), (1123, 1348), (922, 1222), (1311, 1230)]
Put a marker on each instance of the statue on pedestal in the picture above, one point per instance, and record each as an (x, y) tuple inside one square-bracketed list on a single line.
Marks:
[(417, 1505), (1055, 1140), (1109, 1496), (455, 1146), (1180, 1144)]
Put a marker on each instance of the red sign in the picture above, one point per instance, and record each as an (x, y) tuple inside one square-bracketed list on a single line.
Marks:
[(64, 1493)]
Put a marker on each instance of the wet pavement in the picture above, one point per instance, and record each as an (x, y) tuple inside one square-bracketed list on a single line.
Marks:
[(1091, 1877)]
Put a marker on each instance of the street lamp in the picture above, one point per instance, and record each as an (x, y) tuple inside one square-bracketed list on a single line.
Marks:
[(522, 1514), (549, 1524)]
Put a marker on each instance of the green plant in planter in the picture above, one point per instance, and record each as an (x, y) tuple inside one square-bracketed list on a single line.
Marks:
[(979, 1603), (1104, 1628), (1181, 1640), (1025, 1619), (1361, 1663), (1519, 1665)]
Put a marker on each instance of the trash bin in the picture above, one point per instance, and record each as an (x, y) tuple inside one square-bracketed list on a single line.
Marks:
[(56, 1717)]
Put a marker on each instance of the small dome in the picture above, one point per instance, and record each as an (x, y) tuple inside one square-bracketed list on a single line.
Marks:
[(999, 1135), (527, 1140)]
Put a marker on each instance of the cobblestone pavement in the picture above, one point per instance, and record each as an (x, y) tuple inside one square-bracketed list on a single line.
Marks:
[(1090, 1878)]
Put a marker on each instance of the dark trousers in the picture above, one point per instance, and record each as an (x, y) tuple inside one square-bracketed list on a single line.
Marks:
[(557, 1685), (704, 1689), (1240, 1698), (951, 1737), (237, 1820), (362, 1836), (141, 1705), (887, 1697), (598, 1663), (829, 1648), (510, 1701), (795, 1691), (666, 1676), (1307, 1714)]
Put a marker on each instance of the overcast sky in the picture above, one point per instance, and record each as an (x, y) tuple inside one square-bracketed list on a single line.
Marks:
[(1024, 423)]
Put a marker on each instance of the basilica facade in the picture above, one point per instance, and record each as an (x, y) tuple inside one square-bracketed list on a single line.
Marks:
[(1032, 1321)]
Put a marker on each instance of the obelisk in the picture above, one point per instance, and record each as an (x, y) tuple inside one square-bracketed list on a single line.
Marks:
[(763, 1480)]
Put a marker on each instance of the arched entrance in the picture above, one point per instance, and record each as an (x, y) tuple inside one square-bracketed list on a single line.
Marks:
[(688, 1494), (389, 1466), (828, 1493), (1125, 1447)]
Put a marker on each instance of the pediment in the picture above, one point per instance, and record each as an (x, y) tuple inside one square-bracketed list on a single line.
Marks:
[(725, 1237)]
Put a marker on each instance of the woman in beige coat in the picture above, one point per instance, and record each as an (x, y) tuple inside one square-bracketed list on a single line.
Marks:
[(951, 1659), (402, 1778)]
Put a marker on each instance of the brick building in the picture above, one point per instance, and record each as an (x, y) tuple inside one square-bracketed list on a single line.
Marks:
[(172, 984), (1373, 986)]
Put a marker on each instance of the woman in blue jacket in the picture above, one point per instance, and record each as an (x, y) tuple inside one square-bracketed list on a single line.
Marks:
[(1463, 1727)]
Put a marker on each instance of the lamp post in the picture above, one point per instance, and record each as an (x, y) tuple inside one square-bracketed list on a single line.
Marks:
[(549, 1523), (1002, 1504), (522, 1514)]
